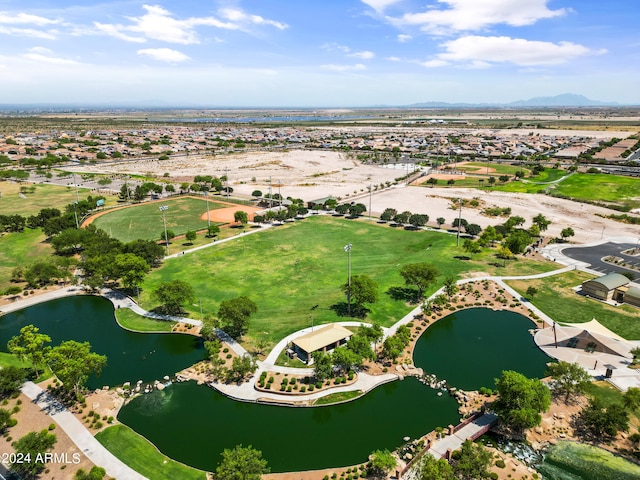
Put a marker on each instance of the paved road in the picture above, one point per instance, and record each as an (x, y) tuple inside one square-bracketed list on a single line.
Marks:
[(79, 434), (594, 254)]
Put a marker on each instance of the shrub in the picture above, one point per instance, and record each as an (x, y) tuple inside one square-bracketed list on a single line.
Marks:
[(311, 388), (500, 463), (293, 381), (225, 350), (52, 426), (318, 384), (271, 380), (303, 389)]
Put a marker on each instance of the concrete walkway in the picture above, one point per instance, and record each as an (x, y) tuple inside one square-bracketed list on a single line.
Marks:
[(472, 431), (78, 434)]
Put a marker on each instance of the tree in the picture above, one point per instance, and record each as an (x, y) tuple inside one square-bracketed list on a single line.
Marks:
[(322, 365), (419, 275), (241, 463), (359, 344), (569, 379), (241, 367), (5, 420), (388, 214), (605, 420), (503, 178), (440, 221), (521, 401), (435, 469), (170, 235), (30, 345), (518, 241), (342, 209), (381, 463), (33, 444), (513, 222), (150, 251), (471, 462), (471, 247), (191, 235), (11, 378), (531, 292), (345, 359), (240, 217), (131, 269), (234, 315), (363, 290), (631, 399), (418, 220), (213, 230), (73, 362), (402, 217), (357, 209), (172, 295), (459, 221), (542, 222), (96, 473), (450, 287), (473, 229), (566, 233), (392, 347), (256, 193)]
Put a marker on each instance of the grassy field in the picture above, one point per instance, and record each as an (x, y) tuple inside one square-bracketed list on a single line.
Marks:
[(20, 249), (570, 460), (132, 321), (295, 272), (602, 188), (145, 220), (141, 455), (44, 196), (556, 298)]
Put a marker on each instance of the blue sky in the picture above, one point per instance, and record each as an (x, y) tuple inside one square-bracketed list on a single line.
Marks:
[(322, 53)]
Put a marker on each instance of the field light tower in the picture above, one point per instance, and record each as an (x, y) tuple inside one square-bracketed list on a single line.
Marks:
[(164, 208), (459, 220), (347, 249)]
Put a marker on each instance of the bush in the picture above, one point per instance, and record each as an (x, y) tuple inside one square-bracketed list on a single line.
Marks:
[(500, 463), (303, 389), (52, 426), (271, 380), (311, 388)]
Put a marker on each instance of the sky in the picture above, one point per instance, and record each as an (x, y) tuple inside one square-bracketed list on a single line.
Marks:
[(316, 53)]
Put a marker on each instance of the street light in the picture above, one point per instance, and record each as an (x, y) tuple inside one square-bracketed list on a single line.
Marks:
[(206, 195), (347, 249), (164, 208), (459, 220)]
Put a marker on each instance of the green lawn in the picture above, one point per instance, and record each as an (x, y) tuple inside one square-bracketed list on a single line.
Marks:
[(20, 249), (44, 196), (9, 360), (132, 321), (499, 168), (141, 455), (556, 298), (337, 397), (145, 220), (602, 188), (295, 272)]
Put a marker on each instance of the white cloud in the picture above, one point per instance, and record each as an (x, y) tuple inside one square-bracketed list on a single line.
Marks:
[(379, 5), (364, 55), (27, 32), (159, 24), (393, 59), (44, 55), (26, 19), (238, 16), (434, 63), (164, 54), (473, 15), (402, 38), (345, 68), (480, 51)]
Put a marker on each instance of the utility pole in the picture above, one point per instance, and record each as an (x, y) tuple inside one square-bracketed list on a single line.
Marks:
[(76, 185), (164, 208), (226, 176), (370, 191), (347, 249)]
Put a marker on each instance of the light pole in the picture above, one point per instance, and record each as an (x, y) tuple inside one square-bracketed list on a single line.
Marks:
[(459, 220), (75, 184), (206, 196), (370, 190), (75, 213), (164, 208), (347, 249)]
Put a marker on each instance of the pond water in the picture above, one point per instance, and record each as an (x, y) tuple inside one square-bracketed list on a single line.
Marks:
[(470, 348), (193, 423), (130, 356)]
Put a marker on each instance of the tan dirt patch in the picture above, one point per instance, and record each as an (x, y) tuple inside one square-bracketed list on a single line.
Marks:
[(225, 215)]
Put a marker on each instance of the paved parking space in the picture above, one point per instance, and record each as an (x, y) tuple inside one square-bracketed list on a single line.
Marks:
[(593, 255)]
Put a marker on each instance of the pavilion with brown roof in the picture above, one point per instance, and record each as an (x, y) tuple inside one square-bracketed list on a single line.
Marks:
[(324, 339)]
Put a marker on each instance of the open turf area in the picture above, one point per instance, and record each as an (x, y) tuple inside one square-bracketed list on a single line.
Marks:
[(20, 249), (43, 196), (294, 272), (145, 220), (556, 298)]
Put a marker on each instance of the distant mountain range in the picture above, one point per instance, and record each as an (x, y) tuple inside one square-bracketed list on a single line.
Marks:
[(564, 100)]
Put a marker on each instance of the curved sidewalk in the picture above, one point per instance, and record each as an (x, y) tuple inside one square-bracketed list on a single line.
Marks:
[(78, 434)]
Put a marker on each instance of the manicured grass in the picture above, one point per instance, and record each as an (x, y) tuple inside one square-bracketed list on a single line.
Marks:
[(9, 360), (145, 220), (178, 245), (141, 455), (296, 271), (132, 321), (20, 249), (602, 188), (499, 168), (556, 298), (44, 196), (586, 462), (337, 398)]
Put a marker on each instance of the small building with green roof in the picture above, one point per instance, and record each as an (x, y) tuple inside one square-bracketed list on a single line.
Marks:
[(605, 288), (632, 296)]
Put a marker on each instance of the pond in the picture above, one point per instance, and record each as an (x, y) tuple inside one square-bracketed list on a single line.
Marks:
[(470, 348), (130, 356), (193, 423)]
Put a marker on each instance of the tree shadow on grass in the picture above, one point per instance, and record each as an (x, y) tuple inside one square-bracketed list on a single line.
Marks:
[(462, 257), (342, 310), (406, 294)]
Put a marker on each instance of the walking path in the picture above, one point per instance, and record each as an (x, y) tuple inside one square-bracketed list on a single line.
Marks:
[(471, 431), (79, 434)]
